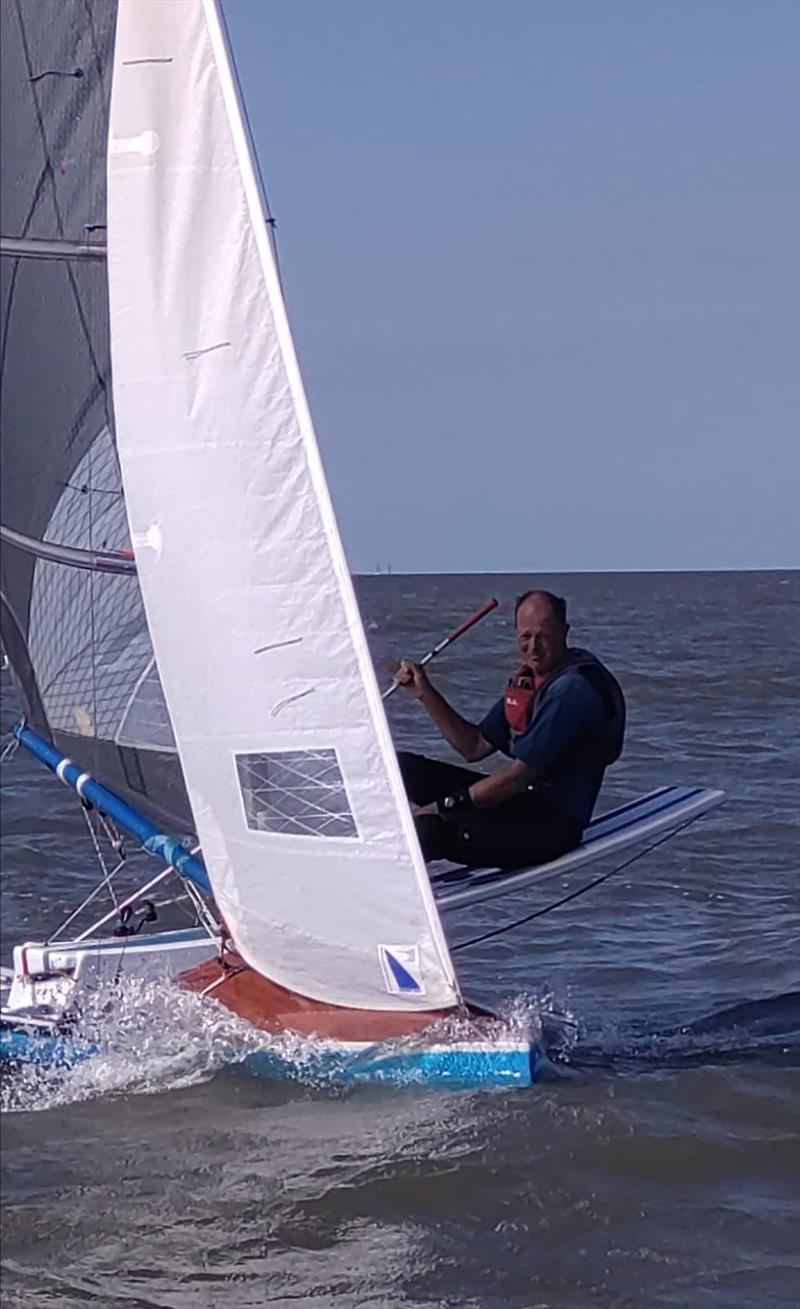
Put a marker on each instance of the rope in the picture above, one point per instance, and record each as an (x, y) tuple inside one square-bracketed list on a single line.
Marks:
[(106, 875), (9, 750), (113, 835), (228, 973), (202, 912), (539, 913)]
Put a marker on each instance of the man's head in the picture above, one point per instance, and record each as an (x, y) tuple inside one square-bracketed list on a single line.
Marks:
[(541, 620)]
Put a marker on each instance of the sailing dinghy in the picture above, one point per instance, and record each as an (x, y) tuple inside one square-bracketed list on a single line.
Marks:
[(176, 604)]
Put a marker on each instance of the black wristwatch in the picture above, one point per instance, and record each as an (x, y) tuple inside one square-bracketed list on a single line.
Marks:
[(453, 806)]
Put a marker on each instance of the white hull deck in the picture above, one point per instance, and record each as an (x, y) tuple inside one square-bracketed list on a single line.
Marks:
[(648, 817)]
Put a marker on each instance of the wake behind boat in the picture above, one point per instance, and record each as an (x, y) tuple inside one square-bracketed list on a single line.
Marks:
[(176, 604)]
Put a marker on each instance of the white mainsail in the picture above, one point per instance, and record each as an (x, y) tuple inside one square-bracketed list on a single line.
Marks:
[(286, 752)]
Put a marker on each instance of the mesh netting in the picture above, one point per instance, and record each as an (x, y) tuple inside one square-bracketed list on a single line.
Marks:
[(296, 792)]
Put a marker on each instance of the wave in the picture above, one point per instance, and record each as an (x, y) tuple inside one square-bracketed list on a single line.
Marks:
[(765, 1030), (147, 1039)]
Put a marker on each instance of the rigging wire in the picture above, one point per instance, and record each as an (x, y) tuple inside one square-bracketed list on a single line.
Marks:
[(90, 897), (269, 217), (203, 914), (556, 904), (114, 840), (92, 625), (107, 880)]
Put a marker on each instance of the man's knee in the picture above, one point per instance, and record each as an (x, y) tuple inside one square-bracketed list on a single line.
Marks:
[(413, 770), (432, 833)]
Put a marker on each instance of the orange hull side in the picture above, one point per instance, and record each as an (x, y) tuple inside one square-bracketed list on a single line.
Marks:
[(272, 1008)]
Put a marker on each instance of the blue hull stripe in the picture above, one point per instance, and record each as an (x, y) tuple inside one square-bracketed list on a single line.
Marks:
[(651, 812), (463, 1064)]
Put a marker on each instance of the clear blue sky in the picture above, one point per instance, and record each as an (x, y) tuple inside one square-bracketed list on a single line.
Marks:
[(542, 264)]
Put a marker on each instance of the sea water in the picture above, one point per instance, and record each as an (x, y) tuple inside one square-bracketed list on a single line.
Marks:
[(656, 1165)]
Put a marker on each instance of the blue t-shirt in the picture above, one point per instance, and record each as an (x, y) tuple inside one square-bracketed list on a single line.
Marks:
[(569, 718)]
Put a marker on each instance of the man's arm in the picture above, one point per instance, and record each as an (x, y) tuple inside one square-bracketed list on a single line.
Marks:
[(563, 715), (495, 789), (465, 738), (502, 785)]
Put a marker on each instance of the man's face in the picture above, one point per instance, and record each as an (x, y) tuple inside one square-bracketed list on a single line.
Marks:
[(541, 639)]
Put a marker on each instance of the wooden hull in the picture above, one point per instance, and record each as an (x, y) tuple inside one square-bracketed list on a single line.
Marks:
[(272, 1008)]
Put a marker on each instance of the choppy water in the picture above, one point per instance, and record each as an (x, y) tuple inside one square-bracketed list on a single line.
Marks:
[(658, 1164)]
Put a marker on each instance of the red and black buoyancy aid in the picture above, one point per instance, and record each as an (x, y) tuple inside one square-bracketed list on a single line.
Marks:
[(522, 695)]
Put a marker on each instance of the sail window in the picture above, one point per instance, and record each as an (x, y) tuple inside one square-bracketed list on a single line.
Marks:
[(295, 792)]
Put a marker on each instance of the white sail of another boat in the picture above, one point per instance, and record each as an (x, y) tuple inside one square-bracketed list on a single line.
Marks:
[(286, 752)]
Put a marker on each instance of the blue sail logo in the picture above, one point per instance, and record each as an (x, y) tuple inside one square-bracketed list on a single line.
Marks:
[(401, 969)]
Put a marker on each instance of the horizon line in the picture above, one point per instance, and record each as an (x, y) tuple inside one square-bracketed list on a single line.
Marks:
[(566, 572)]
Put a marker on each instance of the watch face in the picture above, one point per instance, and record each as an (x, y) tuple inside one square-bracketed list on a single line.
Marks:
[(449, 802)]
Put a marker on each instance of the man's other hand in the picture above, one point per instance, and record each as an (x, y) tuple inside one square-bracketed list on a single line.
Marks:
[(413, 678)]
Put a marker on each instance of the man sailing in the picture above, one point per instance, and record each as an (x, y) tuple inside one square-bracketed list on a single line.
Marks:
[(560, 723)]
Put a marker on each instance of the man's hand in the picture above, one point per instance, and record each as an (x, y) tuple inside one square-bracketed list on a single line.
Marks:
[(414, 678), (461, 735)]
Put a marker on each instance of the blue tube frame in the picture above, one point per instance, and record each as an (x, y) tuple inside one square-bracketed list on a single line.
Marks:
[(167, 848)]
